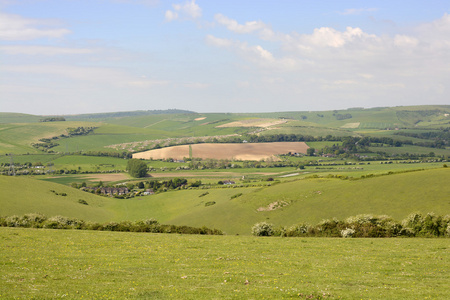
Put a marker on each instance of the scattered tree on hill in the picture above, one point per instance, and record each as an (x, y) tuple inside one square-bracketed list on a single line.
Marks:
[(52, 119), (137, 168)]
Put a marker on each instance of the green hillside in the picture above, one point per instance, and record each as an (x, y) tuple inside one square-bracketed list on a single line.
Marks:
[(305, 200), (127, 127), (21, 195), (18, 118), (17, 138), (311, 200)]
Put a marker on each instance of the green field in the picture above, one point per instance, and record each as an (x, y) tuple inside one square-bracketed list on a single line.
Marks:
[(54, 264), (309, 199), (113, 129), (22, 195)]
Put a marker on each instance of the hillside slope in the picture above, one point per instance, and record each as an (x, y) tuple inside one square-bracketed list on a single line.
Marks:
[(20, 195)]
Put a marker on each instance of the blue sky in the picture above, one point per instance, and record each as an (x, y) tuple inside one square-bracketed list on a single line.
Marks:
[(86, 56)]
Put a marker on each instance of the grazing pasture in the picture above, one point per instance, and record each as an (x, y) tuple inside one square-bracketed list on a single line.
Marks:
[(244, 151), (69, 264), (306, 199)]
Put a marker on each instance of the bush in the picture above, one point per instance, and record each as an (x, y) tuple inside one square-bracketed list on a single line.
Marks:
[(111, 226), (13, 221), (347, 233), (81, 201), (329, 228), (413, 222), (60, 222), (262, 229), (298, 230), (33, 220)]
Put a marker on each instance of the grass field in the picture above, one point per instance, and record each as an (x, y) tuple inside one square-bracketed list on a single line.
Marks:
[(54, 264), (21, 195), (309, 199)]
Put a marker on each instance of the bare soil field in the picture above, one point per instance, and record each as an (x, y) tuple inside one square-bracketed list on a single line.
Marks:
[(206, 174), (351, 125), (244, 151), (254, 123), (108, 177)]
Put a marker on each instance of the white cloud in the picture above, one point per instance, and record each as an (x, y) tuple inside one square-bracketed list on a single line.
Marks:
[(15, 27), (171, 15), (44, 50), (330, 37), (234, 26), (256, 54), (349, 65), (405, 41), (189, 10)]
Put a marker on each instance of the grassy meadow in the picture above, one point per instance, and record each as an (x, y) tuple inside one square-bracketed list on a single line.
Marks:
[(306, 199), (54, 264), (21, 195)]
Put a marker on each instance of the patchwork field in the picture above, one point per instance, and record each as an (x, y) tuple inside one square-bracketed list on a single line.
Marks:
[(244, 151)]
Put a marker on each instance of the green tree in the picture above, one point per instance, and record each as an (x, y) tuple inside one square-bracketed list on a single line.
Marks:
[(310, 151), (137, 168)]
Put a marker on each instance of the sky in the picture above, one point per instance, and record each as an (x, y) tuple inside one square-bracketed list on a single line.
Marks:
[(89, 56)]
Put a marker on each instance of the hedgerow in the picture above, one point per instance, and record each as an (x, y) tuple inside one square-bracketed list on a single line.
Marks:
[(414, 225), (61, 222)]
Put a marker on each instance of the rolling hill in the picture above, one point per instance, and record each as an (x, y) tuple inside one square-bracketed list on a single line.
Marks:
[(306, 200)]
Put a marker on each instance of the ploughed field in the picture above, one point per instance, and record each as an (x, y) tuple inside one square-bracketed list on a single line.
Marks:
[(244, 151)]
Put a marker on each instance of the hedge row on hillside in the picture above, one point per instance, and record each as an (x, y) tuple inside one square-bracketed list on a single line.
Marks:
[(60, 222), (415, 225)]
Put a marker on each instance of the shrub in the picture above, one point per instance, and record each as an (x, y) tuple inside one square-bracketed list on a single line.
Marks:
[(329, 227), (151, 222), (414, 222), (298, 230), (347, 233), (33, 220), (237, 195), (13, 221), (262, 229), (60, 222), (111, 226), (81, 201)]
